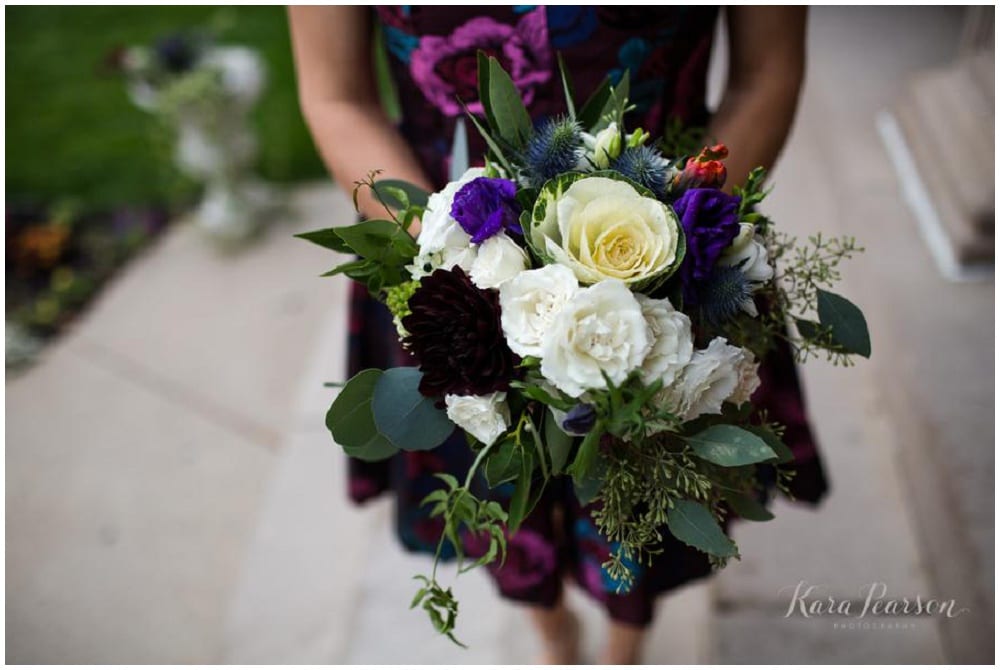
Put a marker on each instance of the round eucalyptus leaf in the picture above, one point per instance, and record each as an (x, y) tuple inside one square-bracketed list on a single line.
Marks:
[(409, 420)]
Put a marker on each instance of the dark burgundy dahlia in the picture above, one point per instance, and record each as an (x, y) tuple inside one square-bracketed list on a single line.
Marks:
[(455, 335)]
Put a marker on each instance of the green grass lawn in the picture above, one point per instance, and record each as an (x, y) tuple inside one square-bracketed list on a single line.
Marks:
[(71, 130)]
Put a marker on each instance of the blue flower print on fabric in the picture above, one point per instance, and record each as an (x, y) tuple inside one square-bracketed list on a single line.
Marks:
[(400, 44), (570, 25)]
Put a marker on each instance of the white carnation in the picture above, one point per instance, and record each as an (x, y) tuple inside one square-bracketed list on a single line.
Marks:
[(600, 331), (669, 331), (529, 303), (498, 260), (485, 417), (708, 380), (748, 379), (442, 242)]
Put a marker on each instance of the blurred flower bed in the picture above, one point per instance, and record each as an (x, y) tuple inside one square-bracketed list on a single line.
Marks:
[(74, 136), (57, 258)]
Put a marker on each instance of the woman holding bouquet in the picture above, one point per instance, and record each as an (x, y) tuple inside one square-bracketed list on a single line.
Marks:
[(432, 57)]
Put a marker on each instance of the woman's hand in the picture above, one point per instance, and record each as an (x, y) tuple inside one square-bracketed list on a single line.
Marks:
[(766, 69), (339, 100)]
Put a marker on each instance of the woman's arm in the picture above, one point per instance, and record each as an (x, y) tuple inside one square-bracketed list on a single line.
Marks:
[(333, 61), (766, 68)]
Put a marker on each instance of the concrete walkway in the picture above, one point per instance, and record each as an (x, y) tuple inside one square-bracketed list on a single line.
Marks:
[(173, 495)]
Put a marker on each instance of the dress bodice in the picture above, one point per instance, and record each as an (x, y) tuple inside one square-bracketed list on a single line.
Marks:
[(432, 55)]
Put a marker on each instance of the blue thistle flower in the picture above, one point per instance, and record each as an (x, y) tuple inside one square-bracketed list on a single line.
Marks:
[(645, 166), (556, 147), (724, 294)]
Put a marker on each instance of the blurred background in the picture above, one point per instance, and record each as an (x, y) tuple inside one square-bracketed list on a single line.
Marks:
[(172, 495)]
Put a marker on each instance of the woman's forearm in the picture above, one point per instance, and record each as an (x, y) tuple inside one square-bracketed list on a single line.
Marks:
[(355, 139), (766, 69), (333, 62)]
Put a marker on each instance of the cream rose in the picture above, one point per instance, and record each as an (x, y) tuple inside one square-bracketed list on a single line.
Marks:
[(498, 259), (603, 228), (528, 304), (485, 417), (601, 330), (669, 331)]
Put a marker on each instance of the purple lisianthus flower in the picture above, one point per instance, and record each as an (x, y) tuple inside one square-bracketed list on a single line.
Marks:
[(708, 217), (485, 206)]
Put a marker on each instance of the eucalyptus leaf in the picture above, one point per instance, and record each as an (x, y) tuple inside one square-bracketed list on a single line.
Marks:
[(351, 423), (846, 322), (588, 485), (782, 453), (587, 453), (407, 418), (729, 446), (694, 524), (522, 492), (747, 507)]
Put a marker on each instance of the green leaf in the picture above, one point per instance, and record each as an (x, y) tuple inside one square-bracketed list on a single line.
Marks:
[(483, 79), (567, 87), (519, 506), (781, 450), (729, 446), (504, 464), (375, 239), (407, 418), (590, 113), (588, 485), (326, 238), (693, 524), (491, 143), (388, 190), (809, 330), (558, 443), (509, 115), (614, 106), (351, 423), (846, 322), (747, 507), (587, 453)]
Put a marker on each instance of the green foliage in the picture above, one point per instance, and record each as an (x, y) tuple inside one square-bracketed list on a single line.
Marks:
[(747, 507), (846, 323), (558, 442), (352, 423), (502, 104), (407, 418), (400, 194), (72, 131), (729, 446), (694, 524), (680, 140)]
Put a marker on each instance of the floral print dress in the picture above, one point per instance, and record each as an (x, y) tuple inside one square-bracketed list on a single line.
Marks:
[(432, 54)]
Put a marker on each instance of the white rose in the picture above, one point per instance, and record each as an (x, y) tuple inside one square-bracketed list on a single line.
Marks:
[(669, 331), (748, 380), (485, 417), (605, 146), (442, 242), (603, 228), (600, 330), (708, 380), (528, 304), (498, 259)]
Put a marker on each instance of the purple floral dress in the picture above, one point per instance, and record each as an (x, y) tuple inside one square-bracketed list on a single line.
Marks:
[(433, 61)]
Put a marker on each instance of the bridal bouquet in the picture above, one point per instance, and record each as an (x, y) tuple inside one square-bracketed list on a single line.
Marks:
[(590, 304)]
